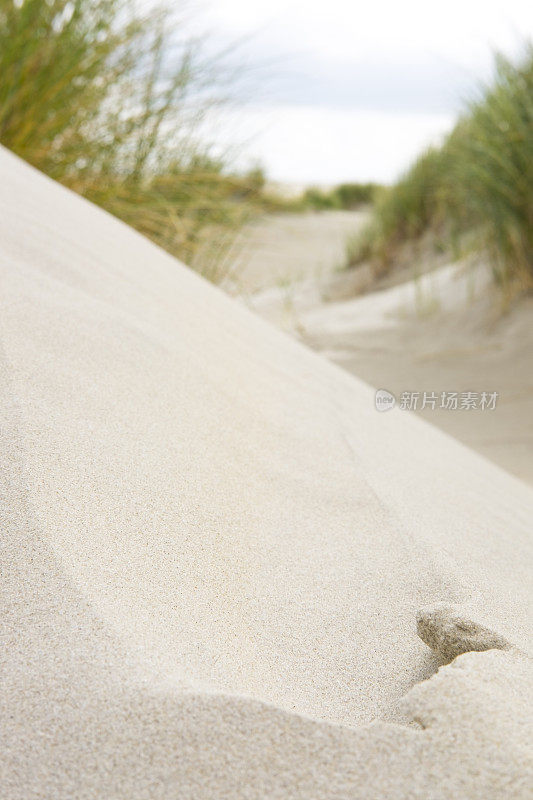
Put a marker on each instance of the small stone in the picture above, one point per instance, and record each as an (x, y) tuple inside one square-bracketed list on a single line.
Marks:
[(450, 633)]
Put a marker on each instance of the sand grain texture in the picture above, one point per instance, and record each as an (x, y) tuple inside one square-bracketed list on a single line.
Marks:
[(213, 548)]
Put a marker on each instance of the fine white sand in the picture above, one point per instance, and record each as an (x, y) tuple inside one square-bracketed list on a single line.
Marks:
[(441, 332), (214, 549)]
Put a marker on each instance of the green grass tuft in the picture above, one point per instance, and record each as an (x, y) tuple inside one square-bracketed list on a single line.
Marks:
[(109, 101), (478, 184)]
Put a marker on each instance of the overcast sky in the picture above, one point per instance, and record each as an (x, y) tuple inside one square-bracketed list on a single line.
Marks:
[(351, 90)]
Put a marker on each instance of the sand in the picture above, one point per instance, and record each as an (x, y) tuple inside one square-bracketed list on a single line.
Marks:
[(444, 331), (214, 548), (281, 249)]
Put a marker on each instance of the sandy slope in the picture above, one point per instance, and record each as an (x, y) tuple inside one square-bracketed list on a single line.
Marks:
[(443, 332), (280, 249), (213, 548)]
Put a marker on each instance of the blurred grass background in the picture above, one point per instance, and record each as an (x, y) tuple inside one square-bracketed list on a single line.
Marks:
[(345, 196), (474, 191), (113, 99)]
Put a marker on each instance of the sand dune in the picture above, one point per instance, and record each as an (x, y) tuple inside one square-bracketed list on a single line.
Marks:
[(214, 549), (442, 331)]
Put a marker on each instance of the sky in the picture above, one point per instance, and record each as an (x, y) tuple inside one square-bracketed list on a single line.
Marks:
[(344, 90)]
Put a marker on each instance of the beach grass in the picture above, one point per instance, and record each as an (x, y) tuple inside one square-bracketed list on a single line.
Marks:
[(109, 100), (346, 196), (476, 187)]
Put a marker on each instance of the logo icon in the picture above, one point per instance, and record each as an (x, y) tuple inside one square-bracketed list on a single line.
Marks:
[(384, 400)]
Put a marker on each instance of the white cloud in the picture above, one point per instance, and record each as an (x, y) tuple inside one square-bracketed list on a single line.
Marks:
[(312, 145), (362, 86), (460, 30)]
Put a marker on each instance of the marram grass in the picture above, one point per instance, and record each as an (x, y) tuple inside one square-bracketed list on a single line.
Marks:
[(107, 98), (478, 183)]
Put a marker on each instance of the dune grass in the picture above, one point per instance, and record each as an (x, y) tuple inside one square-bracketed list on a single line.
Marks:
[(344, 196), (478, 185), (109, 99)]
